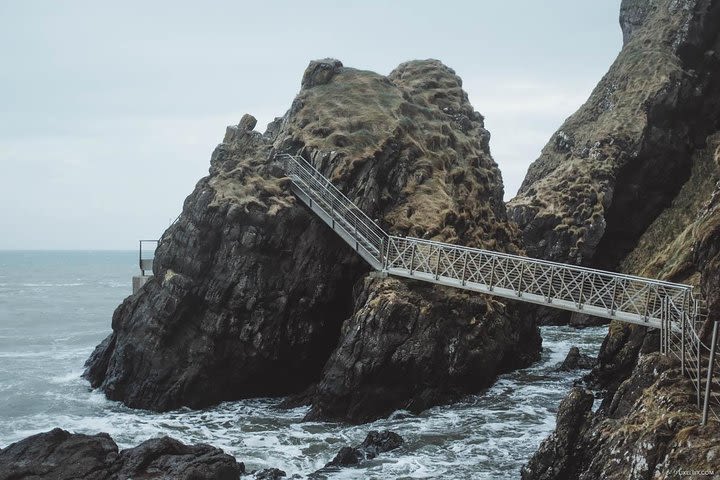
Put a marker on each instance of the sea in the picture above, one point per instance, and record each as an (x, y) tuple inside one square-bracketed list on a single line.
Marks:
[(56, 306)]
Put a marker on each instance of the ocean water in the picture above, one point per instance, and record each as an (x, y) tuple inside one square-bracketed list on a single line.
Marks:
[(56, 306)]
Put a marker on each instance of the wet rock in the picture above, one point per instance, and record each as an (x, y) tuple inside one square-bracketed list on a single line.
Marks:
[(374, 444), (429, 346), (577, 361), (269, 474), (59, 454)]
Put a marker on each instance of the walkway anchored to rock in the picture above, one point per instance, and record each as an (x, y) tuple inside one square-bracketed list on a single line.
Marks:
[(671, 307)]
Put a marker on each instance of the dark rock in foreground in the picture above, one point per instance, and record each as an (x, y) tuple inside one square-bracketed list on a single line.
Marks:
[(374, 444), (577, 361), (269, 474), (60, 455)]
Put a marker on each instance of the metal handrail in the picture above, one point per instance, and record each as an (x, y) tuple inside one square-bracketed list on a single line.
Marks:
[(551, 263), (143, 266), (302, 163)]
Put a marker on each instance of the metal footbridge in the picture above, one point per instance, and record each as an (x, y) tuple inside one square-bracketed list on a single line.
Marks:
[(671, 307)]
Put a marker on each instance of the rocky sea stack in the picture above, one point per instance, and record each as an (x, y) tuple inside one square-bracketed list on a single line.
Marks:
[(252, 295)]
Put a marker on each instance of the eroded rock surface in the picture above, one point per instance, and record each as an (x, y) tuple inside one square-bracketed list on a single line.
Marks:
[(252, 294), (651, 430), (61, 455), (621, 159), (412, 346), (647, 193)]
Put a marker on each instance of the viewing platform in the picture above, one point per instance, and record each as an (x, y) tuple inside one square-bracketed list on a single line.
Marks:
[(146, 255)]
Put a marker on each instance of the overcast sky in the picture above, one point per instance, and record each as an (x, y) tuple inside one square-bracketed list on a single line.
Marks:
[(109, 111)]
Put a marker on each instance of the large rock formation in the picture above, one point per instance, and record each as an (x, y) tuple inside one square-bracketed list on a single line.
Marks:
[(252, 293), (60, 455), (644, 149)]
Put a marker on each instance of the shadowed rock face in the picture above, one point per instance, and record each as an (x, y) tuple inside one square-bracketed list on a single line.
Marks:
[(412, 346), (656, 173), (252, 294), (60, 455), (619, 161)]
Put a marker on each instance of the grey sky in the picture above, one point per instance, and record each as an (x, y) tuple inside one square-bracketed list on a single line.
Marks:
[(109, 111)]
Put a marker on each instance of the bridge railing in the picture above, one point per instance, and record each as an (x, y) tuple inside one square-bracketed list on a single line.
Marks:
[(320, 190), (566, 286)]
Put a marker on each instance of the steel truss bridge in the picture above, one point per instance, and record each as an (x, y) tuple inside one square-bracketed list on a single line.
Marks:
[(670, 307)]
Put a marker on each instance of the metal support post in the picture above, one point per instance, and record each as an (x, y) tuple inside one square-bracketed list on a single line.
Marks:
[(582, 288), (412, 257), (708, 382), (548, 298), (493, 260), (699, 347), (464, 270), (647, 304), (437, 263), (682, 343), (520, 280)]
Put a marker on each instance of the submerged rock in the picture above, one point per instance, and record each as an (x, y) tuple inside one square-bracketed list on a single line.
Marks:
[(59, 454), (374, 444), (269, 474), (576, 360), (252, 294)]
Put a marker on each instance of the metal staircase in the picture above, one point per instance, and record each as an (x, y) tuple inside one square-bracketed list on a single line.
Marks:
[(671, 307)]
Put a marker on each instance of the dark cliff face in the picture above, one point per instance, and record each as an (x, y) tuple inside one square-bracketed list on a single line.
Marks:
[(659, 219), (252, 294), (619, 161), (649, 430)]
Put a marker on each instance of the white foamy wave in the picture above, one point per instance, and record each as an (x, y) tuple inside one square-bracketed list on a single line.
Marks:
[(71, 377), (484, 436)]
